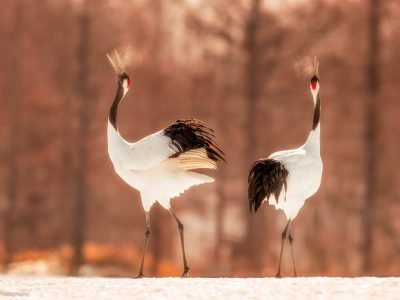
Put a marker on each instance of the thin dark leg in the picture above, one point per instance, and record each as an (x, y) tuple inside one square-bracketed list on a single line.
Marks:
[(291, 249), (186, 269), (278, 274), (146, 239)]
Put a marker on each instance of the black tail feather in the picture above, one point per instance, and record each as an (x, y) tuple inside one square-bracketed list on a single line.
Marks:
[(266, 177)]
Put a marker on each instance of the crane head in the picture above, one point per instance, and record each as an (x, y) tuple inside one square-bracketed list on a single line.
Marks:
[(123, 79), (314, 82)]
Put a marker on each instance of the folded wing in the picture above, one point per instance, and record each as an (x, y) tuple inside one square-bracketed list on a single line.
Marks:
[(188, 142)]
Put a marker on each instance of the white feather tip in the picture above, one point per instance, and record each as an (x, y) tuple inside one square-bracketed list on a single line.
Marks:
[(116, 63)]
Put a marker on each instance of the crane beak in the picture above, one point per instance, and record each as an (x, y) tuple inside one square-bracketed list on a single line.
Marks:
[(316, 67), (116, 63)]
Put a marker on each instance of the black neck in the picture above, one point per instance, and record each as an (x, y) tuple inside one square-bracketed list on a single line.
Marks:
[(114, 107), (317, 113)]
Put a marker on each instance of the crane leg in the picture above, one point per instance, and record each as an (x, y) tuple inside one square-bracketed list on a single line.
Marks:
[(146, 240), (291, 249), (278, 274), (186, 268)]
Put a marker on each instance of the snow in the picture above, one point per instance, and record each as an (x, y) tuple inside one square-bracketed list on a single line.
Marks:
[(15, 287)]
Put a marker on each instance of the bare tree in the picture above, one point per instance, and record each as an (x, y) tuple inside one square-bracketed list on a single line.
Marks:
[(226, 69), (83, 104), (252, 44), (373, 86), (15, 97), (253, 240)]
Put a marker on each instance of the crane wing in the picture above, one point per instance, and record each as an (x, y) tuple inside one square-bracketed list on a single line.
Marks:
[(188, 142), (288, 156), (148, 152)]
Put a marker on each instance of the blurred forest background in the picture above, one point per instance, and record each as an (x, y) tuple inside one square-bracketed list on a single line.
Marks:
[(243, 67)]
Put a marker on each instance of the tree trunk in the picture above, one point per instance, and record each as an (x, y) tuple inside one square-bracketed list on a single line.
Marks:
[(14, 135), (253, 243), (83, 102), (372, 77), (226, 69)]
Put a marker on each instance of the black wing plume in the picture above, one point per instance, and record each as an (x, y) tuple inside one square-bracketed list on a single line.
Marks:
[(193, 134)]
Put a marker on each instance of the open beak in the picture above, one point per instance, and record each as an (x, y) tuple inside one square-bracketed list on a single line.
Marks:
[(316, 64), (116, 63)]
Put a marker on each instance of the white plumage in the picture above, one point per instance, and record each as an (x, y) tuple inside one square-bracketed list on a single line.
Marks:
[(305, 172), (147, 166), (286, 179)]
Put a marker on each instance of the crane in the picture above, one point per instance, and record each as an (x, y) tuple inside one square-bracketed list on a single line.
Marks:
[(286, 179), (164, 164)]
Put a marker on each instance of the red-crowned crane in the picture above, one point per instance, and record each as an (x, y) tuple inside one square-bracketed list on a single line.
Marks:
[(286, 179), (162, 165)]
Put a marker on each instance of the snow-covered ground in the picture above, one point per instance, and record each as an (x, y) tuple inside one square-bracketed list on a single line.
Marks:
[(199, 288)]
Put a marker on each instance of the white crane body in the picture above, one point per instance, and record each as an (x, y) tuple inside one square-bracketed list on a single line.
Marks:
[(305, 166), (147, 167)]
